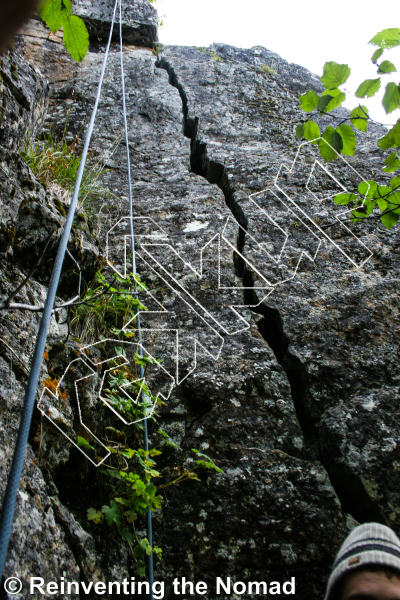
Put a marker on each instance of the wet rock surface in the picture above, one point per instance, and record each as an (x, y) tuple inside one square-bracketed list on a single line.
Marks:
[(287, 368)]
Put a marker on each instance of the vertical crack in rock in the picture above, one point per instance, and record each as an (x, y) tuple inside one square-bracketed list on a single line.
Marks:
[(270, 324)]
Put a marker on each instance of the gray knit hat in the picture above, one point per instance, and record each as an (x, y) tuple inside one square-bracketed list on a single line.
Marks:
[(371, 543)]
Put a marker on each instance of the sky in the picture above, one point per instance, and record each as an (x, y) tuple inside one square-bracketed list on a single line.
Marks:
[(307, 33)]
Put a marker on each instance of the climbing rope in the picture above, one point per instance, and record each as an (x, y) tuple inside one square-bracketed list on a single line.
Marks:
[(8, 508), (128, 160)]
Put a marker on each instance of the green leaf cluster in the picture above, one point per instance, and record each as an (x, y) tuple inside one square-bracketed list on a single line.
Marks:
[(57, 14), (368, 195), (342, 139), (107, 306), (133, 489)]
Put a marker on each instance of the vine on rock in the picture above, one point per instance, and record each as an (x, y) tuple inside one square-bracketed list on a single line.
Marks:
[(132, 472)]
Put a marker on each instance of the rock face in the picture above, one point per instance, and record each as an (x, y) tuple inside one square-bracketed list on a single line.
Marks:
[(287, 319), (43, 531), (139, 20)]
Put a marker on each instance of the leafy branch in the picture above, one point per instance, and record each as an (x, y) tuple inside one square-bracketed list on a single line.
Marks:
[(342, 139), (57, 14)]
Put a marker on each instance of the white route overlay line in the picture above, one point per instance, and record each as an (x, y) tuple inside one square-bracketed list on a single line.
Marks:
[(155, 237), (336, 217), (55, 415)]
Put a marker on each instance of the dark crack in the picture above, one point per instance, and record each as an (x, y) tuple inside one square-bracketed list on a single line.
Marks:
[(271, 327)]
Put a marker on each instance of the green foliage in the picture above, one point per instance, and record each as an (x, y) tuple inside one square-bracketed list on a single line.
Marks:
[(391, 98), (106, 307), (213, 54), (386, 67), (309, 101), (348, 139), (391, 139), (123, 381), (377, 54), (82, 443), (370, 194), (368, 88), (392, 163), (157, 49), (342, 138), (55, 163), (330, 99), (133, 490), (311, 131), (334, 75), (57, 14), (267, 69), (330, 144), (359, 117), (386, 39)]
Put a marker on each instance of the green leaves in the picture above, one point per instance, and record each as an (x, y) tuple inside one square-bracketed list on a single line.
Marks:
[(142, 549), (368, 195), (345, 198), (391, 98), (392, 138), (335, 75), (57, 14), (368, 88), (300, 131), (367, 189), (309, 101), (330, 100), (348, 139), (377, 54), (112, 513), (390, 219), (335, 142), (386, 67), (343, 140), (208, 463), (51, 13), (95, 515), (359, 117), (387, 38), (392, 163), (311, 131), (76, 37), (82, 443)]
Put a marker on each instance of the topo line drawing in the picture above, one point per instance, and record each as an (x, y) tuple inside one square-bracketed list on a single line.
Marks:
[(274, 251)]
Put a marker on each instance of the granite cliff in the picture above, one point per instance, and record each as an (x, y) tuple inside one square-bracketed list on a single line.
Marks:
[(300, 406)]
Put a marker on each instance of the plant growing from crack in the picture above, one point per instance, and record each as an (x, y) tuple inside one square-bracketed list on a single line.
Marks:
[(55, 163), (106, 307), (212, 53), (133, 491)]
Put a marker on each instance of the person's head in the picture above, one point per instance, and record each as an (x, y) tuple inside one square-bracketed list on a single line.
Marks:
[(371, 582), (367, 566)]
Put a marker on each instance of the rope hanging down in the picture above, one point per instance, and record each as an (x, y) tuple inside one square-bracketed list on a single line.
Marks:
[(128, 160), (8, 508)]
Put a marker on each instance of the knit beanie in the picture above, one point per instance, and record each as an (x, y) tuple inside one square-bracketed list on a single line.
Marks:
[(368, 544)]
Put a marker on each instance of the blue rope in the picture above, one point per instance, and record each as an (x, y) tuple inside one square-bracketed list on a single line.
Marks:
[(146, 439), (10, 497)]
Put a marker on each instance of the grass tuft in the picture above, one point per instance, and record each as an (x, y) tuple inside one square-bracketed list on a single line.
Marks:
[(55, 163)]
